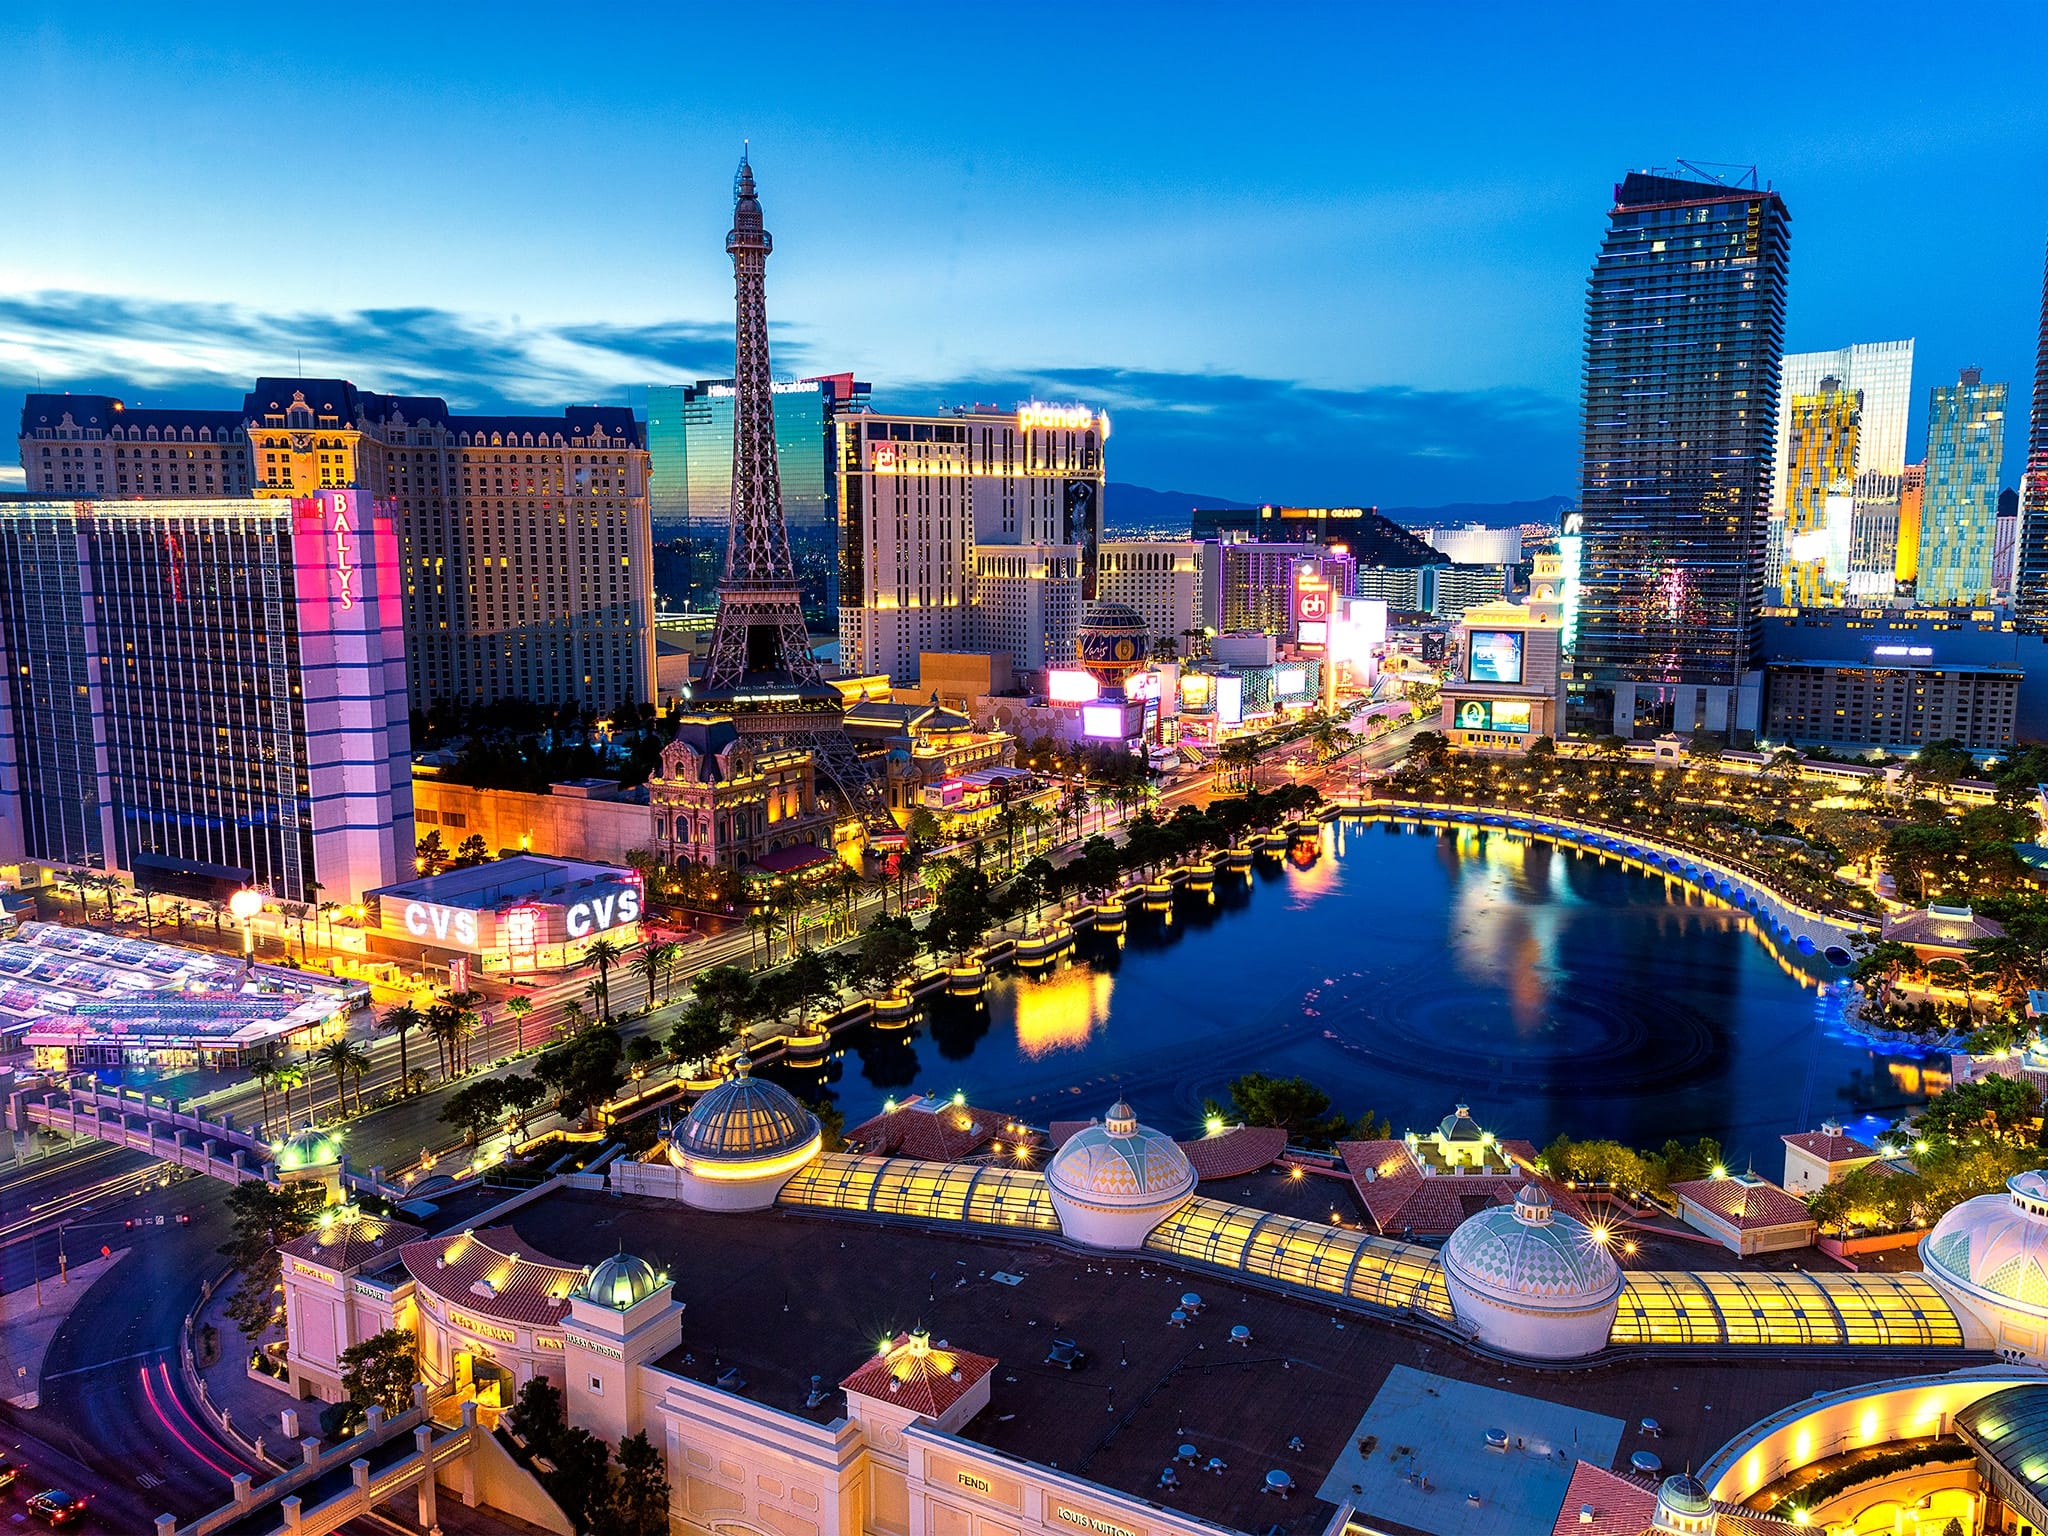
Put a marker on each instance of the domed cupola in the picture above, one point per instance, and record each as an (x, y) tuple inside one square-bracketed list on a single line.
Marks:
[(621, 1282), (1113, 1182), (740, 1143), (1989, 1259), (1683, 1508), (311, 1156), (1532, 1281)]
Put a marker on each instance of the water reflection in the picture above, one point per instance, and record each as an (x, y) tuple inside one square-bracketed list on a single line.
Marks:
[(1406, 970), (1061, 1011)]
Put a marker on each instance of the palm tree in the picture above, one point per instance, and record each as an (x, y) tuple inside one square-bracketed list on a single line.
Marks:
[(466, 1020), (761, 922), (603, 954), (108, 884), (650, 963), (219, 909), (516, 1011), (83, 882), (401, 1021), (263, 1074), (334, 1057), (287, 1077), (572, 1016), (327, 909), (444, 1024), (358, 1064)]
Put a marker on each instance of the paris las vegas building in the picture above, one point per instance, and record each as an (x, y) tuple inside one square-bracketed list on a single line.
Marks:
[(523, 544)]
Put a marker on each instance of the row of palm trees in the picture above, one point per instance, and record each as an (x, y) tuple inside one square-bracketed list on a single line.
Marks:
[(155, 906)]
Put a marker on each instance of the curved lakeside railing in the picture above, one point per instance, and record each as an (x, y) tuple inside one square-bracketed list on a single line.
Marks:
[(1789, 916)]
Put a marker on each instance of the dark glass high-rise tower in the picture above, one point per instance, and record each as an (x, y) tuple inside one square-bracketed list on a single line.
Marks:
[(1685, 326), (2030, 586)]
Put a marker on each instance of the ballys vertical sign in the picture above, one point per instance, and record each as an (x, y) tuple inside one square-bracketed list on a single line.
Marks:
[(341, 529)]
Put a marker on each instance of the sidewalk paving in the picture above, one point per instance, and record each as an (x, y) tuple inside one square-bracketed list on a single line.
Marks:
[(27, 1326), (251, 1408)]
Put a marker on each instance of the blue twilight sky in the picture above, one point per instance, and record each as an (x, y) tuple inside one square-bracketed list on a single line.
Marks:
[(1300, 252)]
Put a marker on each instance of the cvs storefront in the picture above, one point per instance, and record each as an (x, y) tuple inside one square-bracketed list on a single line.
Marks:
[(525, 913)]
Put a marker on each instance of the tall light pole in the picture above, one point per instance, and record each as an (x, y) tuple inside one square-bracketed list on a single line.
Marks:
[(243, 905)]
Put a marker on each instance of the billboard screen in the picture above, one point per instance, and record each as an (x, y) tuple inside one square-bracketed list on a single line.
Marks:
[(1494, 656), (1509, 715), (1071, 686), (1312, 632), (1289, 680), (1103, 722), (1196, 690), (1229, 701), (1433, 647)]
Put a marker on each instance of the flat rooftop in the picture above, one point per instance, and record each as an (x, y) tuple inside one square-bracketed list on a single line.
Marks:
[(492, 884), (783, 1295)]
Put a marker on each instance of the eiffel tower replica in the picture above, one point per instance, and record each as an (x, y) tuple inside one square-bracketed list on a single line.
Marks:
[(761, 672)]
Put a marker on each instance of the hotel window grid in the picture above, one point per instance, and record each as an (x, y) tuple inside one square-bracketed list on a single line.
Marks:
[(1685, 317)]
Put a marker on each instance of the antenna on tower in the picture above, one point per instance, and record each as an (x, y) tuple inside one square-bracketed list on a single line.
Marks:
[(745, 146), (1723, 172)]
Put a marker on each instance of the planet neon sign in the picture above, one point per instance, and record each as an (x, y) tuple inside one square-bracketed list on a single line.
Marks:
[(1061, 417)]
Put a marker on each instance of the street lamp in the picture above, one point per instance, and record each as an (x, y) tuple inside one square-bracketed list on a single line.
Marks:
[(243, 905)]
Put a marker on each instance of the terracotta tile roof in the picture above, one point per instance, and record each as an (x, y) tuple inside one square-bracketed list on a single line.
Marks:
[(496, 1273), (916, 1374), (1400, 1197), (1745, 1203), (1622, 1506), (935, 1131), (1829, 1149), (347, 1243), (1060, 1132), (1233, 1153), (1626, 1505)]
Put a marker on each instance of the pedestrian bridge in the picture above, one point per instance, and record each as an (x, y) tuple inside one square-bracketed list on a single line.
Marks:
[(159, 1125)]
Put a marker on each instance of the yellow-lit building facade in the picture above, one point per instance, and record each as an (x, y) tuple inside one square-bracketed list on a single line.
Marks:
[(721, 800), (1820, 501), (524, 540)]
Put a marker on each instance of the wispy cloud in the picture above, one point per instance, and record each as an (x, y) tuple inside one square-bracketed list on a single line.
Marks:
[(1226, 434)]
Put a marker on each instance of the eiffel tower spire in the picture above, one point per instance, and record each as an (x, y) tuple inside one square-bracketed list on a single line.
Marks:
[(761, 671)]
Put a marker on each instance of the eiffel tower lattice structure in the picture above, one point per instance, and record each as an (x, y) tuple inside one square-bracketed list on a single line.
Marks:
[(761, 671)]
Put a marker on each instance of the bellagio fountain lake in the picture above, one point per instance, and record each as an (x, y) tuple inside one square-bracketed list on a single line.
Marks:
[(1405, 970)]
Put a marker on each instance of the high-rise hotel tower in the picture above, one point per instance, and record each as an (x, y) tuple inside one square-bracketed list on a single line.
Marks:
[(205, 693), (1685, 323), (2030, 583), (524, 540)]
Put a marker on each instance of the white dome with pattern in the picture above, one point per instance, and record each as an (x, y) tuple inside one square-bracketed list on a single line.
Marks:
[(1530, 1281), (1112, 1183), (1992, 1252)]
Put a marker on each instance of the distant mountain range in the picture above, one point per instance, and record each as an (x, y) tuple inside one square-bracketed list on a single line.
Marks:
[(1140, 509)]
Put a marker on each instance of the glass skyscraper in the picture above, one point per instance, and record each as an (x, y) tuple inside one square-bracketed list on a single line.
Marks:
[(689, 439), (1841, 455), (1958, 518), (1685, 323), (2030, 582)]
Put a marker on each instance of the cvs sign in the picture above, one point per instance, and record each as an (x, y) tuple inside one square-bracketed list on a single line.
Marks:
[(426, 918), (601, 912)]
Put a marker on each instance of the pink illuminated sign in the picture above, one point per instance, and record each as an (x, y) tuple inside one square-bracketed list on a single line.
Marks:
[(343, 532)]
